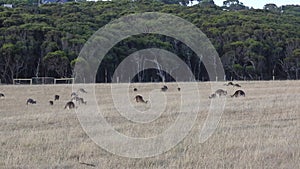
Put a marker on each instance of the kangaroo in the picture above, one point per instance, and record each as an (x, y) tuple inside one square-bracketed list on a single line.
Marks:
[(178, 89), (82, 90), (56, 97), (221, 92), (238, 93), (229, 84), (232, 84), (51, 102), (237, 85), (218, 93), (2, 95), (31, 101), (82, 101), (70, 105), (74, 94), (135, 89), (164, 88), (139, 98), (78, 99), (212, 96)]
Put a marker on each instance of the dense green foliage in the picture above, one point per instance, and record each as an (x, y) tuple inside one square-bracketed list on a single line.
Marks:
[(46, 40)]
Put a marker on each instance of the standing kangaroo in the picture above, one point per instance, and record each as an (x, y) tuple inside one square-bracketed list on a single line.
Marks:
[(56, 97), (238, 93), (139, 98)]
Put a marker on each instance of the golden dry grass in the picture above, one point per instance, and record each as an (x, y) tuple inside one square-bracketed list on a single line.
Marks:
[(261, 130)]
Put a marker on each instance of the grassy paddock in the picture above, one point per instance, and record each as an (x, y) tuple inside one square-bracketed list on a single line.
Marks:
[(261, 130)]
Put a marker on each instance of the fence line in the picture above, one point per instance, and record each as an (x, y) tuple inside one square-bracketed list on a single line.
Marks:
[(14, 81), (64, 79), (43, 80)]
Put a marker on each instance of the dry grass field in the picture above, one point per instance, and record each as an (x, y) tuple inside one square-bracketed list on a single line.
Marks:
[(261, 130)]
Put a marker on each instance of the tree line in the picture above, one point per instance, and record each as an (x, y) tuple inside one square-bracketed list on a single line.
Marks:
[(45, 40)]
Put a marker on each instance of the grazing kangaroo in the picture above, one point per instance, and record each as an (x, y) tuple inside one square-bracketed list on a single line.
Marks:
[(82, 101), (56, 97), (218, 93), (139, 98), (212, 96), (51, 102), (229, 84), (165, 88), (82, 90), (78, 99), (237, 85), (238, 93), (221, 92), (2, 95), (232, 84), (31, 101), (70, 105), (74, 94), (135, 89)]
